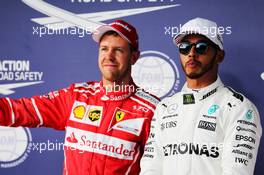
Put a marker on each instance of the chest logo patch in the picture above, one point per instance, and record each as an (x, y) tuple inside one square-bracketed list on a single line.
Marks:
[(86, 114), (94, 114), (188, 99), (119, 115), (79, 112), (249, 114), (126, 121), (213, 109)]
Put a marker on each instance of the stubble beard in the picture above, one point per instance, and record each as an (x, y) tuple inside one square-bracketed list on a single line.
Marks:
[(204, 70), (117, 77)]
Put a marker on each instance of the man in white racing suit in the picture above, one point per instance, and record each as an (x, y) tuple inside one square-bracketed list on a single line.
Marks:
[(207, 128)]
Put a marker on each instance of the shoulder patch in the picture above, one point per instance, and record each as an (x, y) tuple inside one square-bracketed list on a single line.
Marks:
[(236, 94), (148, 97), (86, 85)]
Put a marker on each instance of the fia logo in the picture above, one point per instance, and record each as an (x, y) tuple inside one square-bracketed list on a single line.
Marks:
[(157, 73), (15, 146)]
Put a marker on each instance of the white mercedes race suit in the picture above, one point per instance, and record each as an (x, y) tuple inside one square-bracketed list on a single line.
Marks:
[(210, 131)]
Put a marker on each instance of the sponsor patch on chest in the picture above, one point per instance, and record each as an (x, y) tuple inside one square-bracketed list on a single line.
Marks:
[(126, 121), (210, 126), (87, 141), (86, 114)]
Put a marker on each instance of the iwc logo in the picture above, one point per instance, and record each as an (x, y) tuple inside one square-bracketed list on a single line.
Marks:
[(15, 146), (157, 73)]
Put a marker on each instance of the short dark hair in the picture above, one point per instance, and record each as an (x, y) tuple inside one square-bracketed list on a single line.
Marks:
[(114, 33)]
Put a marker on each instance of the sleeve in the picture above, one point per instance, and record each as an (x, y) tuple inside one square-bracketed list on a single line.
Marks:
[(49, 110), (151, 162), (242, 137)]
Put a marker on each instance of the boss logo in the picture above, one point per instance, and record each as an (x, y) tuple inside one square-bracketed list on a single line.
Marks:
[(207, 125)]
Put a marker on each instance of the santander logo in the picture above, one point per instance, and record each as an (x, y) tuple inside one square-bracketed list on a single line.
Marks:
[(72, 138)]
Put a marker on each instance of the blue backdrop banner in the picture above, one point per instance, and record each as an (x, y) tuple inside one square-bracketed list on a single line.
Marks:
[(47, 45)]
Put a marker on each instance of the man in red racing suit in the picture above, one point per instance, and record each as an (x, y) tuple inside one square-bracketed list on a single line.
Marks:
[(105, 130)]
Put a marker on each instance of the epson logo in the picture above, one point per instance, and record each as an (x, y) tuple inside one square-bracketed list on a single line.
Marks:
[(207, 125), (191, 148), (246, 138)]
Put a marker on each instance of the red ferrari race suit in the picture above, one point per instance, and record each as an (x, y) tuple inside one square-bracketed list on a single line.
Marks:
[(105, 131)]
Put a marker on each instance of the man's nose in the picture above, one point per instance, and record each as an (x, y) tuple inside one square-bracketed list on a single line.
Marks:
[(110, 54), (192, 52)]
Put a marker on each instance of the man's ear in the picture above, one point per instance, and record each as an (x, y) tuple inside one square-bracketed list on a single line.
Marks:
[(134, 57), (220, 56)]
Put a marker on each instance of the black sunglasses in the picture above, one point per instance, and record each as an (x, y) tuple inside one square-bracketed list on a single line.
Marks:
[(201, 47)]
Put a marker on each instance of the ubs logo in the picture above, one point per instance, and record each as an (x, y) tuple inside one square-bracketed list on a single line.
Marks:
[(166, 125)]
